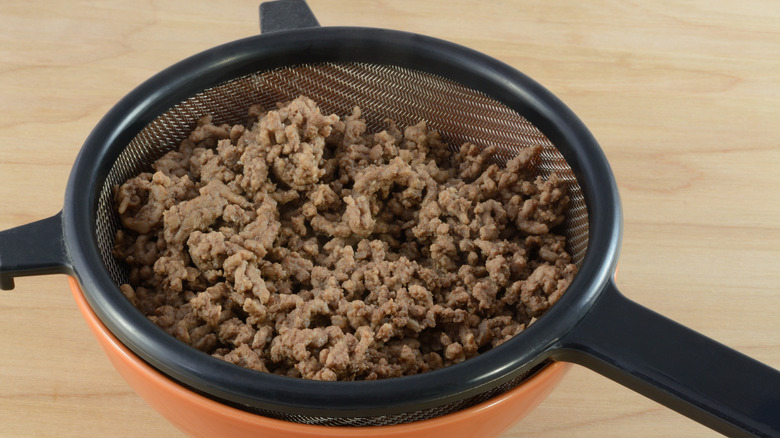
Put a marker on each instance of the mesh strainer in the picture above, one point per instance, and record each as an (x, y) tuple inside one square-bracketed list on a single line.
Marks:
[(466, 96)]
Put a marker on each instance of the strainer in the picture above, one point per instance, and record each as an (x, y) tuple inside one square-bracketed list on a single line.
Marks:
[(466, 96)]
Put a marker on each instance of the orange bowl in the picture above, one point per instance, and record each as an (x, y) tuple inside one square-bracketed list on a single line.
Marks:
[(200, 416)]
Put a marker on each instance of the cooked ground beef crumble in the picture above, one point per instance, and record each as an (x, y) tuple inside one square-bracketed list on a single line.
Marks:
[(305, 246)]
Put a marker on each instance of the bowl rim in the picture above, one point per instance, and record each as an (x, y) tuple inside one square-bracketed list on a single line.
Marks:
[(545, 379)]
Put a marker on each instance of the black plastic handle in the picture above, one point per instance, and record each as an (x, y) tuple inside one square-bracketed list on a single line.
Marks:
[(675, 366), (34, 249), (285, 15)]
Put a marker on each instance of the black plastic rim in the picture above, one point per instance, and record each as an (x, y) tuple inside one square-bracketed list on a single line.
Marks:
[(237, 385)]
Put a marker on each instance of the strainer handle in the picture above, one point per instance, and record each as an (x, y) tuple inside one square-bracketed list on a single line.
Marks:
[(33, 249), (286, 15), (675, 366)]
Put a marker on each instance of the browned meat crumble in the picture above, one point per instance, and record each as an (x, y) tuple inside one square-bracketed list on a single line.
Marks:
[(305, 246)]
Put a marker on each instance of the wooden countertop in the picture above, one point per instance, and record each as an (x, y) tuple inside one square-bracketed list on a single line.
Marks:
[(684, 97)]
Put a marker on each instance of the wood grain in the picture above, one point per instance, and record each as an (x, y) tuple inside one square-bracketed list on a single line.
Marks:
[(684, 97)]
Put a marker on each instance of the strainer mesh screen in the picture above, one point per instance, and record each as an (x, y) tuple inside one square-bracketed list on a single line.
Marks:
[(459, 113)]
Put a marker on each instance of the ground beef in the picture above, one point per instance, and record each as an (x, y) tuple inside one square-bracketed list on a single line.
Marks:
[(303, 245)]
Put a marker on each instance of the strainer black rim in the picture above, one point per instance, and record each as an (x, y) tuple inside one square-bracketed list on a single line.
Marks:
[(338, 399)]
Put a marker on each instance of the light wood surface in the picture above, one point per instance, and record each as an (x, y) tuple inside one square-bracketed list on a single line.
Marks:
[(684, 97)]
